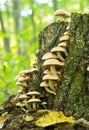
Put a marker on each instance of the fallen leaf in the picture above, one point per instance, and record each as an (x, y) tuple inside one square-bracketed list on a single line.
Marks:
[(53, 118), (3, 118)]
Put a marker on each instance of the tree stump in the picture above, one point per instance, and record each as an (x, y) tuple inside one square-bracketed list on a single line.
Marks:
[(72, 95)]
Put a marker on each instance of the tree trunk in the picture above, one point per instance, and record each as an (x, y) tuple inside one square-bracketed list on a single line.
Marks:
[(5, 39), (18, 26), (73, 93)]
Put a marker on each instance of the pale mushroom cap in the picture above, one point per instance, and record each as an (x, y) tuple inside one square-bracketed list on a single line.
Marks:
[(34, 100), (50, 62), (66, 33), (58, 48), (23, 78), (63, 44), (21, 104), (17, 77), (44, 84), (23, 96), (28, 71), (47, 71), (21, 83), (64, 38), (50, 77), (49, 55), (62, 13), (18, 83), (33, 93)]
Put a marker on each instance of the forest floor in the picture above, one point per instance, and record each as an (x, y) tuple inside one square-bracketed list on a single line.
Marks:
[(15, 118)]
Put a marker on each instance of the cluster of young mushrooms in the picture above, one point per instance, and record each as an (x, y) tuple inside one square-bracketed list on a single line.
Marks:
[(55, 59), (53, 68)]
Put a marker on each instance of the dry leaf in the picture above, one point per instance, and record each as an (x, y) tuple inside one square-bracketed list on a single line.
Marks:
[(3, 118), (53, 118)]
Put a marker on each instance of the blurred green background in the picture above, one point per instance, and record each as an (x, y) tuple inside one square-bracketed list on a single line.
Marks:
[(20, 24)]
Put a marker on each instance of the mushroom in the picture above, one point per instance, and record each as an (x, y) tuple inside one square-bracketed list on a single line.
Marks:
[(23, 78), (33, 94), (58, 50), (49, 55), (52, 63), (51, 78), (46, 86), (34, 103), (21, 83), (62, 44), (62, 13), (64, 38)]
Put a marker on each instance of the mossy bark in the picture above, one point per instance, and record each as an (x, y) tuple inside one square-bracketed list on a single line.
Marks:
[(73, 93)]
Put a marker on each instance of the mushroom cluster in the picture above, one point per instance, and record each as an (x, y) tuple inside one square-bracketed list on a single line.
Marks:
[(25, 98), (23, 79), (30, 100), (54, 62), (62, 14)]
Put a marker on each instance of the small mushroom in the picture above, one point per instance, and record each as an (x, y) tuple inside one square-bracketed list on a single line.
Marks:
[(62, 44), (46, 86), (21, 83), (33, 94), (52, 63), (23, 78), (58, 50), (51, 79), (34, 103), (49, 55), (62, 13), (64, 38)]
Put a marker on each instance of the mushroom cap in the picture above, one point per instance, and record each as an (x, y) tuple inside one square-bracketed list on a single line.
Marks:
[(49, 55), (28, 71), (33, 93), (66, 33), (50, 62), (64, 38), (23, 78), (47, 71), (44, 84), (17, 77), (62, 44), (62, 13), (21, 83), (50, 77), (23, 96), (34, 100), (21, 104), (58, 48)]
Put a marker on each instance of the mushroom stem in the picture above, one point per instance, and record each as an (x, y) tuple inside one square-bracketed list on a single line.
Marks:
[(34, 106), (60, 56), (51, 85), (53, 70), (49, 91), (33, 96)]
